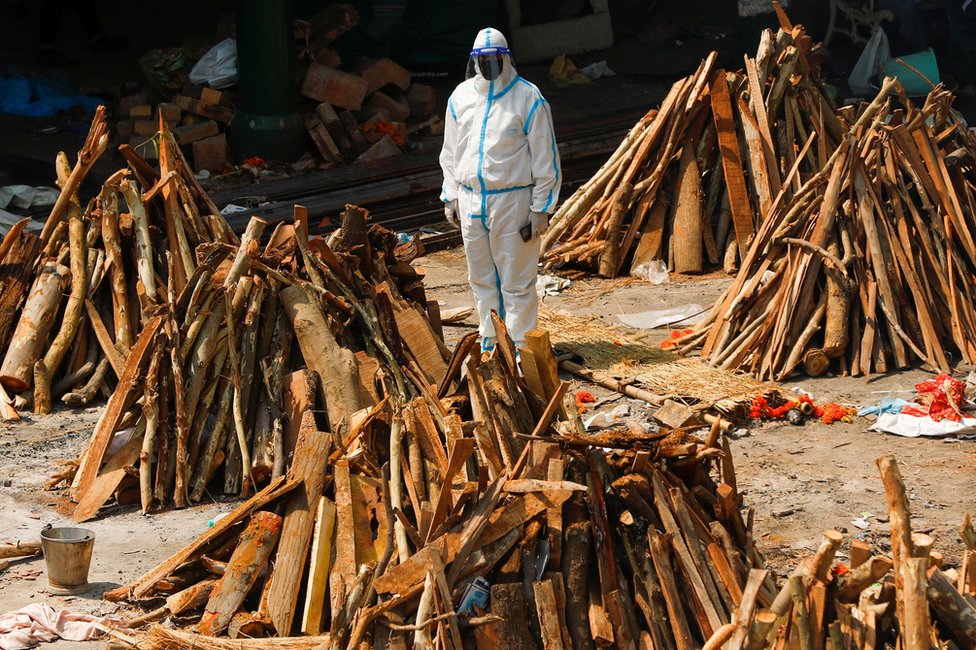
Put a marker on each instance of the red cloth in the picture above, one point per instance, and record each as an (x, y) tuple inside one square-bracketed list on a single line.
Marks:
[(940, 398)]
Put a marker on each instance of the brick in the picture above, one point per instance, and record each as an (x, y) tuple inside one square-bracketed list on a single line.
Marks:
[(327, 56), (216, 97), (355, 135), (323, 141), (384, 72), (190, 133), (422, 100), (210, 153), (334, 86), (143, 147), (126, 103), (384, 148), (170, 112), (125, 129), (145, 128), (399, 110), (198, 107), (141, 112), (330, 120), (331, 23)]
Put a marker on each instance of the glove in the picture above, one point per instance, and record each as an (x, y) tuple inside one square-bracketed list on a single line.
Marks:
[(540, 223), (451, 212)]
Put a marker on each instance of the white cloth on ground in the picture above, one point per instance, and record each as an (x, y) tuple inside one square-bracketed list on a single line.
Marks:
[(39, 622)]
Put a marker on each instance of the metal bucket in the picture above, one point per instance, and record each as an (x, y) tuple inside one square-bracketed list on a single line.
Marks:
[(67, 553)]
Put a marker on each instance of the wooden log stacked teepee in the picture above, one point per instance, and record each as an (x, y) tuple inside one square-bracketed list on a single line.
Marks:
[(868, 266), (692, 180)]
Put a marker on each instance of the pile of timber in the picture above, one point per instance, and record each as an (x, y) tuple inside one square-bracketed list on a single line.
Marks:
[(211, 393), (692, 181), (867, 266), (908, 600), (380, 532), (76, 296)]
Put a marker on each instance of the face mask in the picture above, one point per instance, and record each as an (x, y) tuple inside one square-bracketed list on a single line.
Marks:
[(490, 67)]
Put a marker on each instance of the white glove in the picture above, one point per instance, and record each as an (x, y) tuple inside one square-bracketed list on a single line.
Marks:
[(451, 212), (540, 223)]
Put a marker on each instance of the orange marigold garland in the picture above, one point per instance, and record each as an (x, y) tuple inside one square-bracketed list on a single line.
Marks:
[(671, 343), (828, 413), (583, 398), (383, 128)]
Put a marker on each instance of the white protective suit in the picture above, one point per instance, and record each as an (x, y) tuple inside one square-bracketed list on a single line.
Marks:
[(500, 163)]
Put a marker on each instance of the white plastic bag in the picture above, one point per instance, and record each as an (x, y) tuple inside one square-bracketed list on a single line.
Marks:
[(655, 272), (875, 53), (218, 67)]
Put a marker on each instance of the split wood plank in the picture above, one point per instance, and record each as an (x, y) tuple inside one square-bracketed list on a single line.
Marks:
[(308, 467), (245, 564), (728, 143), (145, 585), (124, 396), (319, 567), (399, 578)]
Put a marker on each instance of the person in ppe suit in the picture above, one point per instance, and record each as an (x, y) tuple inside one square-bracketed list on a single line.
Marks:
[(501, 183)]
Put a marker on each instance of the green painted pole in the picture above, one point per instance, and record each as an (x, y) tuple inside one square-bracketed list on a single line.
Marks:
[(267, 123)]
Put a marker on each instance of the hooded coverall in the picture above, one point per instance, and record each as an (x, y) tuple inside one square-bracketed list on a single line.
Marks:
[(501, 164)]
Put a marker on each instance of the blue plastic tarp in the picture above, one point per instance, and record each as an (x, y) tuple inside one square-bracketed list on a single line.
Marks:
[(36, 95)]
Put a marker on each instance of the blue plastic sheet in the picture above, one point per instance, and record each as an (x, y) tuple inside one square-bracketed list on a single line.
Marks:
[(36, 95), (892, 405)]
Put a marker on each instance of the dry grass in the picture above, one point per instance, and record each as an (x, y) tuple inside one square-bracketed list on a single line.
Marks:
[(623, 353), (161, 638)]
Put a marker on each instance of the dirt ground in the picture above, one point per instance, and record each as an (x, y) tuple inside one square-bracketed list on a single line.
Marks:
[(800, 480)]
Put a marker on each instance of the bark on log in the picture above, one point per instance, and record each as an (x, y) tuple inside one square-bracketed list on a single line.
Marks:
[(30, 337), (686, 237), (252, 553), (42, 388), (911, 602), (335, 365)]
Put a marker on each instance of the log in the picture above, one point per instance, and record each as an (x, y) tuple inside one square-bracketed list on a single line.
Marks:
[(686, 237), (839, 294), (851, 584), (75, 307), (191, 598), (95, 145), (42, 388), (252, 553), (281, 591), (336, 366), (16, 272), (19, 549), (548, 612), (951, 607), (910, 588), (247, 248), (512, 630), (31, 334)]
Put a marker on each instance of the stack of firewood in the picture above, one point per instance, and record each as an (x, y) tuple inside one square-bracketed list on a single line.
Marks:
[(908, 600), (868, 265), (434, 522), (76, 296), (692, 180), (211, 390)]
